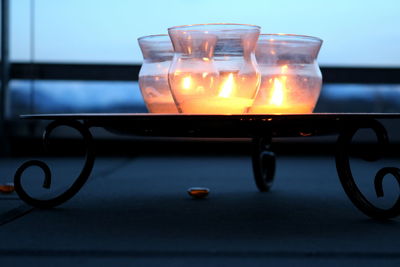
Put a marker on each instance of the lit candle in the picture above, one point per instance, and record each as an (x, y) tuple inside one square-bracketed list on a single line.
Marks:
[(223, 103), (153, 76), (278, 95), (216, 105), (214, 70), (159, 103)]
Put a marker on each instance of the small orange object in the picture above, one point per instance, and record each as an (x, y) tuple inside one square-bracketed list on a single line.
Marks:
[(198, 192), (7, 188)]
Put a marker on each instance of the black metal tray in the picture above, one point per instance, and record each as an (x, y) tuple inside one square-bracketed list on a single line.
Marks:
[(229, 126), (261, 128)]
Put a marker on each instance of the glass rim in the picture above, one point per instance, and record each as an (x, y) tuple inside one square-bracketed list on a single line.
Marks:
[(290, 37), (152, 36), (219, 26)]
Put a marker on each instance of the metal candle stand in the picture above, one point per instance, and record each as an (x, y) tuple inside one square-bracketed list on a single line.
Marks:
[(261, 128)]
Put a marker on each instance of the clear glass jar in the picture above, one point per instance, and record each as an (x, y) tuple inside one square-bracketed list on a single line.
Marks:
[(214, 70), (157, 53), (290, 76)]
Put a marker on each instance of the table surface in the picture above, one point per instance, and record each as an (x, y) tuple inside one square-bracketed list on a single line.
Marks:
[(135, 211)]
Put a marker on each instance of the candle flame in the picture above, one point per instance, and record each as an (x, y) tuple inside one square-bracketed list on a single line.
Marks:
[(187, 82), (279, 88), (278, 91), (227, 87)]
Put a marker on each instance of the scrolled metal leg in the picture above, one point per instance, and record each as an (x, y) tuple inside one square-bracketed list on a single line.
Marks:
[(263, 163), (78, 183), (346, 176)]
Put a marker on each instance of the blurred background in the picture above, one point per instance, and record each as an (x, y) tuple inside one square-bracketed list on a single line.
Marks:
[(70, 56)]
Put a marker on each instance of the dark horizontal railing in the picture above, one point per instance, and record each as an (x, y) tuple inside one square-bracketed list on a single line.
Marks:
[(46, 71), (108, 72)]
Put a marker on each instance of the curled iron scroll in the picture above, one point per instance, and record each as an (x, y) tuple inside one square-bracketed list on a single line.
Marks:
[(346, 177), (79, 181)]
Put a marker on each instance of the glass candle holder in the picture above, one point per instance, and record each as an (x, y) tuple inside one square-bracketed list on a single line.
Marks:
[(157, 53), (290, 76), (214, 70)]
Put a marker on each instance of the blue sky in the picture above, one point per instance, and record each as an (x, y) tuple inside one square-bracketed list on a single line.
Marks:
[(355, 32)]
